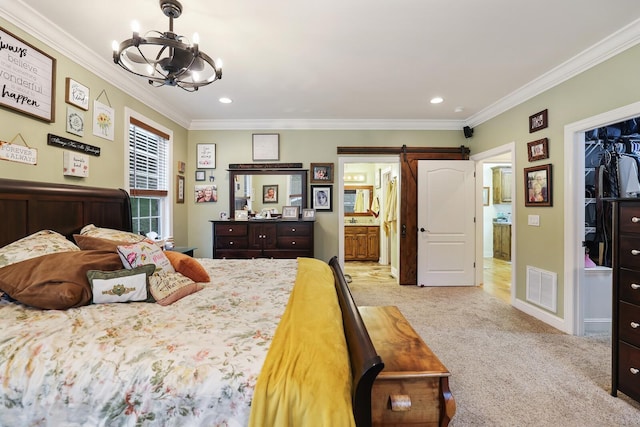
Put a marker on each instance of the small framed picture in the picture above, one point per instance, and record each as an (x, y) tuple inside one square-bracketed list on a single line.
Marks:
[(201, 175), (308, 215), (538, 186), (538, 121), (322, 172), (75, 121), (538, 150), (266, 146), (180, 189), (322, 198), (182, 166), (206, 156), (269, 194), (290, 212), (241, 215), (485, 196), (76, 94)]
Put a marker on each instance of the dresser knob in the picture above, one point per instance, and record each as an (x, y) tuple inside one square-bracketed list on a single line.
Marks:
[(635, 252), (293, 230), (635, 325), (635, 219), (293, 243), (230, 243), (230, 230), (635, 286), (634, 371)]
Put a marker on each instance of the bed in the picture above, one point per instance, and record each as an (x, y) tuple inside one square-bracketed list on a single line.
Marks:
[(216, 356)]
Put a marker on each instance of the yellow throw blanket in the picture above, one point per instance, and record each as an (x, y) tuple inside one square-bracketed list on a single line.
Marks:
[(306, 377)]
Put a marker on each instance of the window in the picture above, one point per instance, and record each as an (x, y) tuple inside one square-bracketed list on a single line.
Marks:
[(148, 170)]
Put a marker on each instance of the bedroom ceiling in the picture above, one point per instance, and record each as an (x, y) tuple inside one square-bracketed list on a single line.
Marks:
[(342, 63)]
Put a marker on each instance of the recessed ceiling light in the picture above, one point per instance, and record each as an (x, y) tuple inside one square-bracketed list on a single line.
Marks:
[(225, 100), (436, 100)]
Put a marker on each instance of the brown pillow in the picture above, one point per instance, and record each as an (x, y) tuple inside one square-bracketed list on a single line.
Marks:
[(96, 243), (188, 266), (56, 281)]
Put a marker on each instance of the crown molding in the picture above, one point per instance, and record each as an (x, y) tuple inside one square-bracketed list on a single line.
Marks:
[(605, 49), (320, 124), (31, 21)]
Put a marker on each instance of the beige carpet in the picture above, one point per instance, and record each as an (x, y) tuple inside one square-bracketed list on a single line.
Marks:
[(507, 368)]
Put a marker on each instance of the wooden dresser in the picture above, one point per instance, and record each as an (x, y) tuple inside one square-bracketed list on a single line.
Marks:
[(625, 331), (413, 387), (262, 239)]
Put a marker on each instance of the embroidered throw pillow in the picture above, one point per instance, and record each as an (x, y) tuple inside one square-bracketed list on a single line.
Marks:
[(168, 288), (142, 253), (121, 285)]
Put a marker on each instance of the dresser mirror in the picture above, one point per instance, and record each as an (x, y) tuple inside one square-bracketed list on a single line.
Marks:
[(267, 190), (358, 200)]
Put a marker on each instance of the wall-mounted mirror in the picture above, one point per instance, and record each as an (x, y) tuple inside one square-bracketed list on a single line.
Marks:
[(271, 189), (357, 200)]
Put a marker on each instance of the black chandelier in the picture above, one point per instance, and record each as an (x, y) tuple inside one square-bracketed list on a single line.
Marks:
[(167, 58)]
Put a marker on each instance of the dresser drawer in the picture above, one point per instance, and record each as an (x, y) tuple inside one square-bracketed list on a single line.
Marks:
[(629, 323), (630, 252), (294, 229), (629, 370), (293, 242), (629, 218), (420, 396), (231, 242), (231, 229), (629, 286)]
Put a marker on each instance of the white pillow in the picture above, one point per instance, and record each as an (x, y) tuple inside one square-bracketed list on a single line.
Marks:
[(43, 242)]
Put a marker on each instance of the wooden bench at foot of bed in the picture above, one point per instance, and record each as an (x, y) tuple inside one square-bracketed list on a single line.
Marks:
[(413, 387)]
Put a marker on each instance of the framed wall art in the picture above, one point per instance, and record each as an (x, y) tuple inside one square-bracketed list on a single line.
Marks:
[(266, 146), (321, 172), (322, 198), (485, 196), (206, 156), (103, 120), (538, 186), (538, 150), (201, 175), (75, 121), (180, 189), (76, 94), (34, 66), (269, 194), (538, 121)]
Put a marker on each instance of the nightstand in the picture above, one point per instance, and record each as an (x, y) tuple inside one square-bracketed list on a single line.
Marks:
[(184, 250)]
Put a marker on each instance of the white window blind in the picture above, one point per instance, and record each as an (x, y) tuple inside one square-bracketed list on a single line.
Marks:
[(147, 160)]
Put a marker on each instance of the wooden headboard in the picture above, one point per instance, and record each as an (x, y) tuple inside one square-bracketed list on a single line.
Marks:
[(27, 207)]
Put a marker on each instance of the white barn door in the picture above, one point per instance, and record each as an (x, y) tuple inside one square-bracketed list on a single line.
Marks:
[(446, 227)]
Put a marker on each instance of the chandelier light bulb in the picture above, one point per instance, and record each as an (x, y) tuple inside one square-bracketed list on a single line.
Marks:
[(115, 46), (135, 26), (196, 38)]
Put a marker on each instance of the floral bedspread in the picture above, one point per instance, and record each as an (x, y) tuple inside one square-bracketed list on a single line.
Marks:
[(193, 363)]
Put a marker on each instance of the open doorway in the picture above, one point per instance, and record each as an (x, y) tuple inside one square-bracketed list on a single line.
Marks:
[(366, 241), (495, 251)]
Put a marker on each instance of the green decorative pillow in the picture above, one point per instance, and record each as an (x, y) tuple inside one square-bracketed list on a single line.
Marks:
[(121, 285), (43, 242)]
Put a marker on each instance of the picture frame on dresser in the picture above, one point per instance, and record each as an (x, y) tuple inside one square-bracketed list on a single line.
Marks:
[(241, 215), (290, 212), (308, 214)]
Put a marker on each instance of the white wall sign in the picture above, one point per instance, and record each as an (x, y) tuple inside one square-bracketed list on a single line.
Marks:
[(26, 78), (75, 164), (18, 153)]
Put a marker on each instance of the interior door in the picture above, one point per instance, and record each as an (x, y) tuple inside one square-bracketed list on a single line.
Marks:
[(446, 224)]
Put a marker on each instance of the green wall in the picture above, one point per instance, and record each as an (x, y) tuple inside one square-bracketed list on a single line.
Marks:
[(107, 170)]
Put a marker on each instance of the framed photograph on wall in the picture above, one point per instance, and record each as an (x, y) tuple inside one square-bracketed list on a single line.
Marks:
[(266, 146), (538, 150), (538, 186), (322, 198), (485, 196), (269, 194), (206, 156), (201, 175), (322, 172)]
